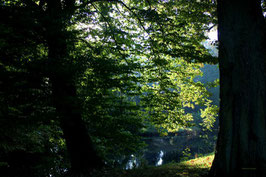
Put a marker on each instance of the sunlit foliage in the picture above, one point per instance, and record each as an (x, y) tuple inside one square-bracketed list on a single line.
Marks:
[(132, 62)]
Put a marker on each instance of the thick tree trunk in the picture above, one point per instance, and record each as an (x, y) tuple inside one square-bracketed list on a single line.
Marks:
[(83, 156), (241, 146)]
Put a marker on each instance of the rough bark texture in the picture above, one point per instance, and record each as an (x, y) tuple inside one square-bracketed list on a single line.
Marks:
[(83, 156), (241, 146)]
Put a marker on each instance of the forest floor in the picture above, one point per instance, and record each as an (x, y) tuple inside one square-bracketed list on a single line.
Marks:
[(198, 167)]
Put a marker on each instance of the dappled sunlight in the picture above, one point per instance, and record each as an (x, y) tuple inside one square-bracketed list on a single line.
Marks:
[(201, 162)]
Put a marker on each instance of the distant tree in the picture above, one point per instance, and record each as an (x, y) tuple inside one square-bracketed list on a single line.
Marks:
[(241, 147)]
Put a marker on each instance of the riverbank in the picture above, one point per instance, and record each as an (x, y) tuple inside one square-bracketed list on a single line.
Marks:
[(197, 167)]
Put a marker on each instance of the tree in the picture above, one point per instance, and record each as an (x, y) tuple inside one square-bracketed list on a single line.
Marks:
[(54, 60), (91, 77), (82, 154), (30, 136), (46, 32), (172, 58), (241, 148)]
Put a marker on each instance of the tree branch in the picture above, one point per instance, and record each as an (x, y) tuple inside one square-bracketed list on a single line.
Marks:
[(84, 4), (30, 3)]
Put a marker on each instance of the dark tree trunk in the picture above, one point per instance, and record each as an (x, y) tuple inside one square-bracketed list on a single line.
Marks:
[(241, 146), (83, 156)]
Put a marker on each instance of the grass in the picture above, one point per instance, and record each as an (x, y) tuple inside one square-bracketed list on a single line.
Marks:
[(197, 167), (201, 162)]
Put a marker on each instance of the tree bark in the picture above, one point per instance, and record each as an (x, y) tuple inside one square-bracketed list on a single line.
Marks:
[(241, 146), (83, 157)]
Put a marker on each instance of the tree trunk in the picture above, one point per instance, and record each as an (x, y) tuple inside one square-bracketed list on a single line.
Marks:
[(83, 157), (241, 146)]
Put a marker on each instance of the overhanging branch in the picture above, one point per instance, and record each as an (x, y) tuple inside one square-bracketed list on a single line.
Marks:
[(30, 3)]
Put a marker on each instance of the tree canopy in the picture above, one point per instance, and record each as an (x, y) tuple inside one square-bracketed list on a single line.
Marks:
[(80, 80)]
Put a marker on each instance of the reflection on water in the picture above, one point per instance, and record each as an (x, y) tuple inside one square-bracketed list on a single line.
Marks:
[(160, 161), (163, 150), (132, 162)]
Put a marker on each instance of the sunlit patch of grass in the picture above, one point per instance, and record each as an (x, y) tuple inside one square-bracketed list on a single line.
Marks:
[(201, 162)]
